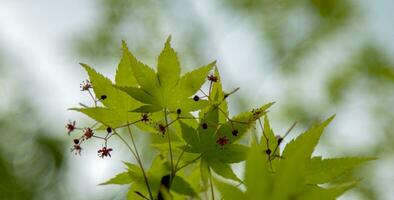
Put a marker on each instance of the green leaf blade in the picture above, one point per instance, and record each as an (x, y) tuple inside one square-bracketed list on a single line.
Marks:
[(168, 67), (326, 170), (192, 81), (115, 98), (229, 192), (120, 179), (124, 74)]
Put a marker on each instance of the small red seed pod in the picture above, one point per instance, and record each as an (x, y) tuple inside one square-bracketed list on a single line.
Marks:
[(76, 141), (196, 98), (279, 139), (109, 129)]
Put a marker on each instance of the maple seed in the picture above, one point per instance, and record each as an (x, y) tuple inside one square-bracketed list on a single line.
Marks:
[(204, 125), (103, 97), (196, 98), (222, 141), (88, 133), (178, 111), (212, 78), (109, 129), (235, 132), (70, 127), (76, 141), (104, 152), (268, 151)]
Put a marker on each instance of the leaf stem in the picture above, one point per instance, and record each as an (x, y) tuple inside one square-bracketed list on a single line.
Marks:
[(210, 180), (137, 157), (169, 146), (265, 136), (188, 163), (129, 123), (287, 133), (94, 99)]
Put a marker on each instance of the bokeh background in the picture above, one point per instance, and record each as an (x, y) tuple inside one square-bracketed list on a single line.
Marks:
[(314, 58)]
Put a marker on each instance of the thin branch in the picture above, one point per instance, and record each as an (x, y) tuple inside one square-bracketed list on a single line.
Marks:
[(210, 180), (130, 123), (169, 146), (136, 155), (94, 99), (287, 133), (188, 163)]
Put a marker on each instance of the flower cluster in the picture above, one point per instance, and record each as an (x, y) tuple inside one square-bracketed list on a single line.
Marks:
[(88, 132)]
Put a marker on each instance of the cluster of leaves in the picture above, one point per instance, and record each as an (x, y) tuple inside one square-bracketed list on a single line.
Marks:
[(200, 140)]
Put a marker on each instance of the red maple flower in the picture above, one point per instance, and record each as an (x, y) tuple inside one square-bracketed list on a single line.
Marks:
[(144, 117), (212, 78), (86, 85), (162, 129), (77, 149), (104, 152), (222, 141), (88, 133), (70, 127)]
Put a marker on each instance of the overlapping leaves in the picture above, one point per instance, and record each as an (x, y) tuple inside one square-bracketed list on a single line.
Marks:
[(160, 168), (211, 139), (296, 175), (215, 125)]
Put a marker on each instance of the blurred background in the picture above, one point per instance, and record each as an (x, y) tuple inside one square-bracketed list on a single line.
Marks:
[(314, 58)]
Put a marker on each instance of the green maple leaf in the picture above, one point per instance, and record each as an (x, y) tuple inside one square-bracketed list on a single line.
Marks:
[(116, 104), (166, 89), (297, 175), (159, 168), (213, 125)]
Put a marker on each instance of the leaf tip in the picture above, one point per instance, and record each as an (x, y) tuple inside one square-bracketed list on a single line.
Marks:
[(124, 44), (168, 42), (329, 120), (85, 66)]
